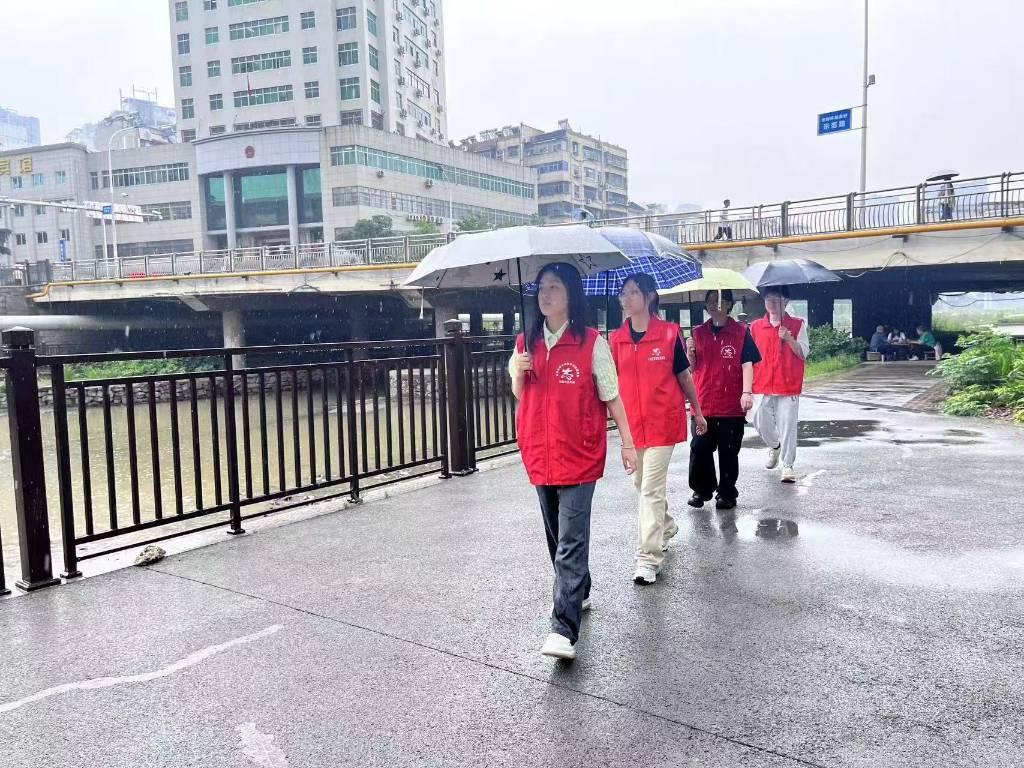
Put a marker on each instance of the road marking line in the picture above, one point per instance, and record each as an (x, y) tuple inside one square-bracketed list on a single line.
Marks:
[(259, 747), (109, 682)]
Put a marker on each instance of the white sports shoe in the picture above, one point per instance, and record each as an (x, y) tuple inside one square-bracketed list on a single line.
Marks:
[(788, 475), (586, 606), (645, 575), (558, 647), (773, 457), (669, 534)]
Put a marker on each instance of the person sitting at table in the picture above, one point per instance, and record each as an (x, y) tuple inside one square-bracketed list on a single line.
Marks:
[(878, 342), (926, 340), (896, 335)]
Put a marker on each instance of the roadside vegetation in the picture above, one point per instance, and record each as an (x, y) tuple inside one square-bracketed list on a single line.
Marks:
[(986, 378), (120, 368), (832, 352)]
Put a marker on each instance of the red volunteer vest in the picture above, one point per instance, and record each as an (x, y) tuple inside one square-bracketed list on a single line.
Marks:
[(561, 422), (781, 371), (718, 373), (649, 389)]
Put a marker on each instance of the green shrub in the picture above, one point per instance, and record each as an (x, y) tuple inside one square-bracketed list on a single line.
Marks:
[(973, 401), (117, 369), (826, 342), (987, 360)]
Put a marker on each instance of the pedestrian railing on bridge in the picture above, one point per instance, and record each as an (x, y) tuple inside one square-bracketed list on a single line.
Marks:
[(232, 434)]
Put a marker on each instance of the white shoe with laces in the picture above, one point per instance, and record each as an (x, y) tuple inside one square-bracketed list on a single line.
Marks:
[(773, 457), (558, 647), (645, 575), (788, 475)]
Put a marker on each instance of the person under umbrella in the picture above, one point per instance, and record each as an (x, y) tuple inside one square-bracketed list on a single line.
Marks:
[(779, 379), (652, 368), (565, 380), (722, 354)]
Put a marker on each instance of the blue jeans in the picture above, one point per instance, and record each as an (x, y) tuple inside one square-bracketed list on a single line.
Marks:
[(566, 512)]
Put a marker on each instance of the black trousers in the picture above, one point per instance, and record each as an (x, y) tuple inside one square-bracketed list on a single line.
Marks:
[(726, 436)]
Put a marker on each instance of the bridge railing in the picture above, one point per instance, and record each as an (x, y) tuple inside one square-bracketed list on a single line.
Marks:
[(209, 438)]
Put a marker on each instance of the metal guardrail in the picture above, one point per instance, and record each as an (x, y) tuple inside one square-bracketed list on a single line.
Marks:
[(963, 200), (140, 459)]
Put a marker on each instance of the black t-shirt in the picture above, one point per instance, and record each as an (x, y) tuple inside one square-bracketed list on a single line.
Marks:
[(679, 361), (750, 353)]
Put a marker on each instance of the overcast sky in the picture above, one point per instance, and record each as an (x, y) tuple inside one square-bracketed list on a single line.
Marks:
[(712, 98)]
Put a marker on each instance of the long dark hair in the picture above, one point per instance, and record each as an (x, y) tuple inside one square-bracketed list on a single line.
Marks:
[(648, 287), (570, 278)]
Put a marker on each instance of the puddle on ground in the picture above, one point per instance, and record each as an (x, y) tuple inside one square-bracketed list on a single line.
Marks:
[(813, 433), (962, 433), (774, 528), (936, 441)]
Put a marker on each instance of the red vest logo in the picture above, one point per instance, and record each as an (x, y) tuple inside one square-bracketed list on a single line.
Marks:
[(567, 373), (656, 354), (728, 352)]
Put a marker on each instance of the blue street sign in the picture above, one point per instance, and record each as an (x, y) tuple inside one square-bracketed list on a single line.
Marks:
[(63, 250), (107, 210), (834, 122)]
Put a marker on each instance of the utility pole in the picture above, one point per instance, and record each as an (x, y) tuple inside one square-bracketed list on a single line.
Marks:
[(868, 80)]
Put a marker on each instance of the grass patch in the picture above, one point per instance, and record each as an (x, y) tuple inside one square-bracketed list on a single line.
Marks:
[(827, 366), (117, 369)]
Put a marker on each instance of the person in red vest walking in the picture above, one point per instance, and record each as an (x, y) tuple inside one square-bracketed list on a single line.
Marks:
[(564, 377), (653, 378), (722, 355), (779, 379)]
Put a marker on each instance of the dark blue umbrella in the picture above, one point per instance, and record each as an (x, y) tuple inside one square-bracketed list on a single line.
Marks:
[(647, 252)]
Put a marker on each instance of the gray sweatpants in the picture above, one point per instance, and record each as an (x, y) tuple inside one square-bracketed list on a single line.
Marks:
[(777, 421)]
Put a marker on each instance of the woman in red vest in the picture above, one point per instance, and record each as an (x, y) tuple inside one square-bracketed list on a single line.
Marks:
[(653, 378), (563, 374), (779, 379)]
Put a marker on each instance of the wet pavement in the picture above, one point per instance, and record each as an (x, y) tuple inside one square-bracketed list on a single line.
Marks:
[(869, 615), (894, 385)]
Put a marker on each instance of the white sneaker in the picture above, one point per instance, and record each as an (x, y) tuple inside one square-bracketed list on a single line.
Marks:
[(773, 457), (788, 475), (669, 534), (558, 647), (586, 606), (645, 575)]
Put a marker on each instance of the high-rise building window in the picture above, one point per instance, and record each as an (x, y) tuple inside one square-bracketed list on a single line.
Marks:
[(65, 234), (309, 55), (19, 210), (313, 120), (212, 35), (307, 20), (62, 177), (42, 238), (371, 22), (40, 210), (216, 130), (183, 44), (185, 76), (38, 180), (188, 109), (243, 30), (348, 53), (181, 10), (255, 96), (216, 101), (188, 135), (377, 120), (346, 17), (349, 88), (213, 68), (15, 182), (375, 91), (352, 117), (312, 89), (261, 61), (209, 5), (20, 239), (374, 57)]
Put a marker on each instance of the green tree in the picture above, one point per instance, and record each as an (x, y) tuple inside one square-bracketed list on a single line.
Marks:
[(473, 224), (425, 228), (376, 226)]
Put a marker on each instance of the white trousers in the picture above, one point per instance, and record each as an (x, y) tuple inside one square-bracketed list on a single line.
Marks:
[(777, 420), (656, 524)]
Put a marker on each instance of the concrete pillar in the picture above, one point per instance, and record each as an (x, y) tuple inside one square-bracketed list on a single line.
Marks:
[(476, 322), (234, 334), (229, 209), (508, 322), (820, 310), (442, 314), (293, 206)]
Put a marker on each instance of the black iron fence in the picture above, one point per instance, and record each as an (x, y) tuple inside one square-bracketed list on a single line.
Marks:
[(138, 459)]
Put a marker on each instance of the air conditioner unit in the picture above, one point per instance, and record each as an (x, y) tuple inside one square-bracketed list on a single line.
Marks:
[(403, 114), (437, 219), (411, 217), (380, 174), (401, 80), (429, 182)]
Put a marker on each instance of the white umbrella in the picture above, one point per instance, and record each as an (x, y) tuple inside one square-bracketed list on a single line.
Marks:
[(504, 256)]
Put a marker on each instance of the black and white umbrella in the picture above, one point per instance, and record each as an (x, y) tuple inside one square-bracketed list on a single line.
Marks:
[(789, 272)]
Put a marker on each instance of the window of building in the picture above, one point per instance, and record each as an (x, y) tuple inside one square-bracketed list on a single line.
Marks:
[(188, 135), (61, 177), (177, 211), (575, 148), (15, 182), (352, 117), (255, 96), (183, 44), (188, 109), (377, 120), (309, 55), (181, 10), (374, 57), (349, 88), (396, 36), (20, 239), (313, 120), (216, 130), (387, 200), (400, 129), (185, 76), (209, 5), (148, 249), (213, 68), (243, 30), (138, 176), (307, 20), (260, 62), (513, 152), (232, 3), (348, 54), (589, 153), (216, 101), (38, 180), (42, 238), (212, 35), (259, 125), (371, 22), (346, 17), (312, 89), (19, 210), (375, 91), (39, 210), (65, 234), (560, 165), (590, 174), (615, 180), (618, 161)]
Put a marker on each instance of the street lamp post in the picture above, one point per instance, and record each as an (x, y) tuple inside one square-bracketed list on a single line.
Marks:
[(868, 80), (110, 172)]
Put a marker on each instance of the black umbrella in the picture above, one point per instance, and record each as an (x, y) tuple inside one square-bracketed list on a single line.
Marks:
[(789, 272)]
